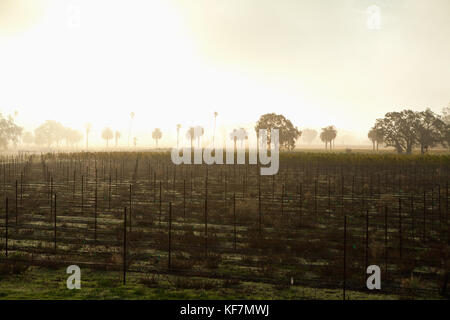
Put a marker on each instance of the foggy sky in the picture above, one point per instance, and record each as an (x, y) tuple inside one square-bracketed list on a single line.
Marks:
[(179, 61)]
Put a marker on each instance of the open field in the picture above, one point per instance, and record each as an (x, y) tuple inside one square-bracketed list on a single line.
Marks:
[(319, 222), (43, 283)]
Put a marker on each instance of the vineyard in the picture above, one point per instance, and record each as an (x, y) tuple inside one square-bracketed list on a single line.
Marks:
[(320, 222)]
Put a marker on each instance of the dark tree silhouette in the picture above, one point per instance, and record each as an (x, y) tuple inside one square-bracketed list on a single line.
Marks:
[(446, 115), (446, 119), (398, 130), (287, 132), (430, 130), (376, 136), (406, 129), (327, 135)]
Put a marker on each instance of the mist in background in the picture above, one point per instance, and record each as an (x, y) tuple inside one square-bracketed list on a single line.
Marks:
[(177, 62)]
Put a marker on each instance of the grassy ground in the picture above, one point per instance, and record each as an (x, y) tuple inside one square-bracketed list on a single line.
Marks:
[(41, 283)]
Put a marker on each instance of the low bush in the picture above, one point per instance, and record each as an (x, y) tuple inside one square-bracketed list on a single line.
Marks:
[(13, 265)]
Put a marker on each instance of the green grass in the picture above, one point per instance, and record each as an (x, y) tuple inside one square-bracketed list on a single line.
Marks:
[(40, 283)]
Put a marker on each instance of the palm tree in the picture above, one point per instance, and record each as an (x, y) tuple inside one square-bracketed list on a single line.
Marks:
[(234, 136), (372, 135), (376, 136), (195, 133), (107, 134), (157, 134), (88, 127), (131, 123), (242, 135), (333, 135), (238, 134), (117, 136), (178, 133), (190, 134), (214, 133), (198, 131), (324, 138), (328, 135), (72, 137)]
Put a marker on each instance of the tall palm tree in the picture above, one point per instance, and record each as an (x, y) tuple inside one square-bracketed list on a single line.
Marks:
[(333, 135), (190, 134), (234, 136), (199, 131), (324, 138), (107, 134), (372, 135), (195, 133), (242, 135), (88, 127), (178, 133), (328, 135), (376, 136), (131, 123), (117, 136), (238, 134), (157, 134), (214, 133)]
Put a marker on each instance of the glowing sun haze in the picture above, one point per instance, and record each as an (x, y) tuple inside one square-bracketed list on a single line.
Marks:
[(178, 61)]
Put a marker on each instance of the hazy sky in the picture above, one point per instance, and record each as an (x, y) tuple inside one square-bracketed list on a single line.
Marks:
[(178, 61)]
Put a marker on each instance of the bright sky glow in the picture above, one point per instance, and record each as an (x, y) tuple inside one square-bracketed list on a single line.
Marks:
[(178, 61)]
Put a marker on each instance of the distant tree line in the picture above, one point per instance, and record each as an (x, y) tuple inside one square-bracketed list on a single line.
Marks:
[(10, 132), (402, 130), (407, 129), (52, 133)]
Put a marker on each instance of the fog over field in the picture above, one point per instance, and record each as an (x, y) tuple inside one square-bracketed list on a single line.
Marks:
[(236, 151), (319, 63)]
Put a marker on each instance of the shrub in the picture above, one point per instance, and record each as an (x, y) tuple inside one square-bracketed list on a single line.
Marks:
[(231, 283), (412, 285), (180, 262), (213, 261), (186, 283), (13, 265), (150, 281)]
